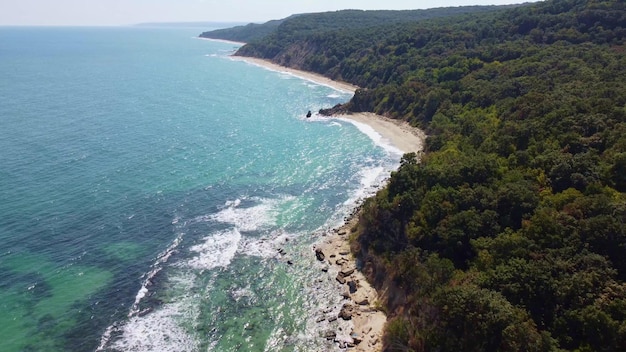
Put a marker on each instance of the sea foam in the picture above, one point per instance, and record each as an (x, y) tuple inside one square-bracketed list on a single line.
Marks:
[(159, 331), (376, 137), (216, 251)]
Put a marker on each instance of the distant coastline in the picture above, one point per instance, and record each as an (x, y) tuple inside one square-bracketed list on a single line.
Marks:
[(221, 41)]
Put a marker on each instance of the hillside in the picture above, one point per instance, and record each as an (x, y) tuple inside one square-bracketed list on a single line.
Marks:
[(243, 33), (285, 31), (509, 233)]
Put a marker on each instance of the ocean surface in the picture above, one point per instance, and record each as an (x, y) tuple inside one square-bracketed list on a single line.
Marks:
[(148, 184)]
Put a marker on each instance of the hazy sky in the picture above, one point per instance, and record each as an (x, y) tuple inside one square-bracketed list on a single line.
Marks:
[(121, 12)]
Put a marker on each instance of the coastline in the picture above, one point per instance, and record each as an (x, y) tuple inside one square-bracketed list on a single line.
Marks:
[(333, 250), (399, 133), (220, 40), (313, 77)]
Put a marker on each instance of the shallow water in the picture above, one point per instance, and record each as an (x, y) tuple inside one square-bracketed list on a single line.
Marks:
[(147, 185)]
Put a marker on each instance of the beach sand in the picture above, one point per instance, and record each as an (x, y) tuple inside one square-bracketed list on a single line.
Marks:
[(361, 299), (399, 133), (313, 77)]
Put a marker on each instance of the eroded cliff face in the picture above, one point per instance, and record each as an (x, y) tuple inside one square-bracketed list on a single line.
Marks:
[(296, 55), (392, 297)]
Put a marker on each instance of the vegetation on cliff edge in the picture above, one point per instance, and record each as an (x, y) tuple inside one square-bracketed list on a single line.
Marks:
[(508, 233)]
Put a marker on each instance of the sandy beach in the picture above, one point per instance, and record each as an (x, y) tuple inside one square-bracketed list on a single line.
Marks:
[(333, 250), (313, 77), (399, 133)]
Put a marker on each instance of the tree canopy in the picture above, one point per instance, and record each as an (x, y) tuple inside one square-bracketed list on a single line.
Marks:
[(508, 233)]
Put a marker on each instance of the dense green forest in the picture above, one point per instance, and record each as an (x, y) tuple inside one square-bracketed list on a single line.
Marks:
[(508, 233), (279, 34), (244, 33)]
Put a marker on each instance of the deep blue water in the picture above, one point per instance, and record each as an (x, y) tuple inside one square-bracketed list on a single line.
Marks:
[(147, 182)]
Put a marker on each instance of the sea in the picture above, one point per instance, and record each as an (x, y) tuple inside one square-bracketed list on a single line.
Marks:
[(157, 195)]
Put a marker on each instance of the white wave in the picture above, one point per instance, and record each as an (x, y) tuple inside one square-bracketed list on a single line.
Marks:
[(247, 219), (334, 124), (232, 203), (162, 258), (292, 74), (376, 137), (238, 293), (333, 96), (158, 331), (371, 176), (267, 247), (220, 41), (371, 180), (162, 329), (218, 250), (130, 343)]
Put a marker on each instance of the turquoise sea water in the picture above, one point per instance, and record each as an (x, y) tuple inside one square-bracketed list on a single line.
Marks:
[(147, 184)]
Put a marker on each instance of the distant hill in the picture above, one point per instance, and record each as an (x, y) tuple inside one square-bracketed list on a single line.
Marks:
[(244, 33), (207, 24), (303, 24)]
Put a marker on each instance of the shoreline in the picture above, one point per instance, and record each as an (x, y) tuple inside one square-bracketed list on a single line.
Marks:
[(400, 134), (312, 77), (333, 250), (221, 40)]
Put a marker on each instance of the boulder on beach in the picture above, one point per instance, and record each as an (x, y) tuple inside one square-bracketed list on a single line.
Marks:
[(319, 255), (352, 286), (363, 302), (347, 271), (330, 335), (346, 311)]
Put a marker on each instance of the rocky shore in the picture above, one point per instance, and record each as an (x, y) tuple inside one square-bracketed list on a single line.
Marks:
[(360, 299)]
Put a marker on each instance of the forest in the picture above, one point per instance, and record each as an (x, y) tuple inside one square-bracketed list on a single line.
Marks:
[(289, 30), (508, 232)]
